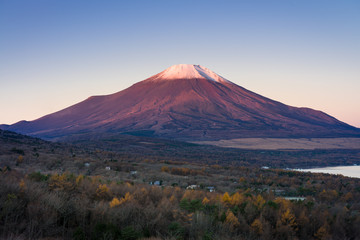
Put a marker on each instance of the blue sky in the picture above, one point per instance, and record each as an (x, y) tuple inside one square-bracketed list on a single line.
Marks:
[(55, 53)]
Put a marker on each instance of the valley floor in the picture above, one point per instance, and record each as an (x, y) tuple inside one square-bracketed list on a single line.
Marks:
[(287, 143)]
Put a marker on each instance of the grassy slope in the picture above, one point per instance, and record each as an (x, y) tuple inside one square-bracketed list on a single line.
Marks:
[(287, 143)]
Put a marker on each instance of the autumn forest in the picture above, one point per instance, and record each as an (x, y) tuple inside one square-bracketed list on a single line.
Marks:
[(61, 191)]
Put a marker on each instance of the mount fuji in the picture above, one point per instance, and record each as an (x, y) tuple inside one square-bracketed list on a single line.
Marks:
[(185, 102)]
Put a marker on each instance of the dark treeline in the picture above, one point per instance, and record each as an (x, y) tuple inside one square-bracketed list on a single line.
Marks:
[(68, 206)]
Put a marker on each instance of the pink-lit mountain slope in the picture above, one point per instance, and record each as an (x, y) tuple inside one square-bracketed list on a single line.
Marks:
[(186, 102)]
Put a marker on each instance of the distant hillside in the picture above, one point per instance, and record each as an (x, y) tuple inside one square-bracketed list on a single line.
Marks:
[(100, 150)]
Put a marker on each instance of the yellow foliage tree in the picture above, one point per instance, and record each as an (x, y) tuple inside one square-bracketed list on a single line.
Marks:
[(231, 220), (226, 198), (102, 191), (205, 201), (79, 179), (257, 226), (188, 194), (172, 199), (115, 202), (165, 169), (284, 204), (322, 233), (126, 198), (60, 182), (259, 201), (236, 199), (288, 218), (144, 191)]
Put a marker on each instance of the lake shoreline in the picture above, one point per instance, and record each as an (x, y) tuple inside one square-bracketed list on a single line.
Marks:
[(345, 170)]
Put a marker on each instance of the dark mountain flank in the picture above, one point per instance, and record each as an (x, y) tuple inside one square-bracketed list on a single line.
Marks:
[(186, 102)]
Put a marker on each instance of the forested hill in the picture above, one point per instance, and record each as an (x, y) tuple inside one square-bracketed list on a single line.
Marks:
[(145, 189)]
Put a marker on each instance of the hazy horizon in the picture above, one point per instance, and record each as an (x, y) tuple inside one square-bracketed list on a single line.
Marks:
[(56, 54)]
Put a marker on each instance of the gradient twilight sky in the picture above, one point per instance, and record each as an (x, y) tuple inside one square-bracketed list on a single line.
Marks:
[(55, 53)]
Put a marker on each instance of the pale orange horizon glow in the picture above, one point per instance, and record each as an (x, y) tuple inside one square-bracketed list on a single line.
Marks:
[(57, 53)]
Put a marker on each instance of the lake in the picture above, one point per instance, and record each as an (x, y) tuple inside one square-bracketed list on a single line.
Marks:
[(349, 171)]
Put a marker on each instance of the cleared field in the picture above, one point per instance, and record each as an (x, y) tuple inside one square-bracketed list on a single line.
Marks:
[(287, 143)]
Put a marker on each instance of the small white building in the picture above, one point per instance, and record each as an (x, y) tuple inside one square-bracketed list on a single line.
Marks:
[(108, 168), (156, 183), (295, 198), (192, 187)]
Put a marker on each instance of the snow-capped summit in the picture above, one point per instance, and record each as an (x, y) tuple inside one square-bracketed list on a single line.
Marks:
[(189, 71)]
